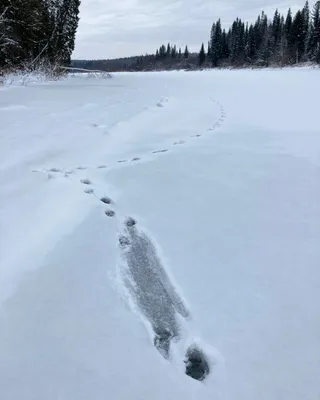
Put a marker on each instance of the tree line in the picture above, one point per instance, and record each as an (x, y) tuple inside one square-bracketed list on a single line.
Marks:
[(37, 32), (283, 40)]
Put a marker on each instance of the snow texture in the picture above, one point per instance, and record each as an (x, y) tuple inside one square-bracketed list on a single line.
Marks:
[(159, 236)]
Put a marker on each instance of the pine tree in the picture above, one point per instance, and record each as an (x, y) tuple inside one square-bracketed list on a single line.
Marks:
[(265, 51), (283, 43), (162, 51), (276, 28), (251, 45), (168, 53), (66, 23), (216, 43), (297, 36), (306, 23), (202, 55), (22, 31), (237, 46), (186, 53), (37, 30), (212, 41), (174, 52), (313, 41), (288, 27), (225, 52), (179, 54), (6, 34)]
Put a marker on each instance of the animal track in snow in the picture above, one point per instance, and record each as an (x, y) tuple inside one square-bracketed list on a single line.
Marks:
[(152, 290), (179, 142), (86, 181), (89, 191), (124, 241), (197, 364), (66, 173), (106, 200), (130, 222), (160, 151), (162, 102), (54, 170), (110, 213)]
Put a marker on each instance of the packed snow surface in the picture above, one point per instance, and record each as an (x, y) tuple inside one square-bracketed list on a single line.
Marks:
[(160, 227)]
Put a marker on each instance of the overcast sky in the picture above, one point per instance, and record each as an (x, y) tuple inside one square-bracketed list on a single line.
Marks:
[(117, 28)]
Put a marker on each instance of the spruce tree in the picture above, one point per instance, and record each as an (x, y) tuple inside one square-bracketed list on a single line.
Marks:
[(202, 55), (186, 53), (276, 28), (306, 23), (225, 51), (209, 51), (212, 40), (216, 43), (66, 23), (313, 43), (168, 53), (297, 36), (174, 52), (251, 45), (162, 51)]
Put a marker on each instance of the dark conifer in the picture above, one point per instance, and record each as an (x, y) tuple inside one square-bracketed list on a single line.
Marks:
[(202, 55)]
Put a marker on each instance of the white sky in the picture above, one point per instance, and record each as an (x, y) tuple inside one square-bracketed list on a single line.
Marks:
[(117, 28)]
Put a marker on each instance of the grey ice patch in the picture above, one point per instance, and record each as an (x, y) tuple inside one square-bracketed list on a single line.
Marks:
[(151, 287)]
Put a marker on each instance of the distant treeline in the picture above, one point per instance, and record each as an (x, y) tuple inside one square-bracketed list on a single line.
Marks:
[(281, 41), (37, 32)]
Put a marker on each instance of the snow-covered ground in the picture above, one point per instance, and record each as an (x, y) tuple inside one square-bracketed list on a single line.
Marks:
[(220, 171)]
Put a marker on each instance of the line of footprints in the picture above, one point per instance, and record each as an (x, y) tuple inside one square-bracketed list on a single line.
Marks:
[(67, 172), (104, 199)]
